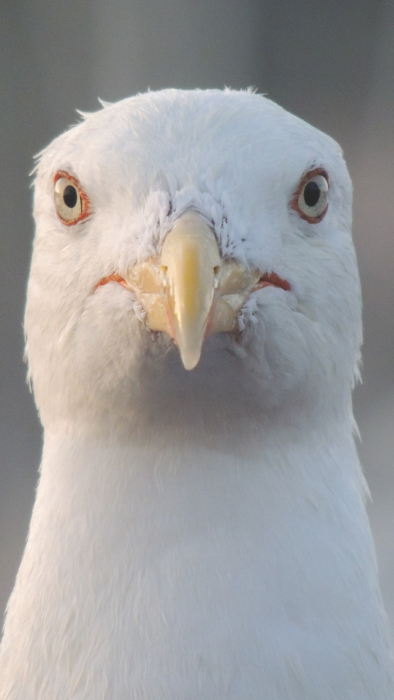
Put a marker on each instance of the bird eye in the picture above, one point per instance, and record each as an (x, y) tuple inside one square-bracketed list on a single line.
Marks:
[(311, 198), (72, 204)]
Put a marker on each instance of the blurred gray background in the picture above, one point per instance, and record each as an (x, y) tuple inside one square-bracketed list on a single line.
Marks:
[(331, 63)]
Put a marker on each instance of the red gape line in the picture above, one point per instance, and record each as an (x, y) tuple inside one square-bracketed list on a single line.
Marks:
[(112, 278), (272, 280), (266, 280)]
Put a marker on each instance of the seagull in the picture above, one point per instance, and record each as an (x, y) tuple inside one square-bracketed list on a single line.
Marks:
[(193, 332)]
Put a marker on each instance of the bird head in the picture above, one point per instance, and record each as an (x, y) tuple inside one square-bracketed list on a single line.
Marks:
[(193, 248)]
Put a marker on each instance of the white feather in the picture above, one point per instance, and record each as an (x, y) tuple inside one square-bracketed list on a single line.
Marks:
[(197, 534)]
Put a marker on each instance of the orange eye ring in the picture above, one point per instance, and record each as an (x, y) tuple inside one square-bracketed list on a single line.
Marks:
[(71, 203), (319, 183)]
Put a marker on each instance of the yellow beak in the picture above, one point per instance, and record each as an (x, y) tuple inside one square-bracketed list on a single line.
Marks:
[(189, 291), (190, 262)]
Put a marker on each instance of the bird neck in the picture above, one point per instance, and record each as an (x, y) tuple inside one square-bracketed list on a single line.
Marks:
[(138, 504), (147, 557), (182, 467)]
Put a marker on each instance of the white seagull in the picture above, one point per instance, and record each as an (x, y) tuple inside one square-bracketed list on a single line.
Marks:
[(193, 328)]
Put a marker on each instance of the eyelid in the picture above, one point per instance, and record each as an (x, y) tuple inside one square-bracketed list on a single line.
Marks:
[(294, 201), (86, 206)]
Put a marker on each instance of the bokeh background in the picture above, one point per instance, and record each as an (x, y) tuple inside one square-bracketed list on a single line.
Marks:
[(331, 63)]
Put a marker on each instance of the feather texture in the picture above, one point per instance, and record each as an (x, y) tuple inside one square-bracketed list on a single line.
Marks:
[(196, 534)]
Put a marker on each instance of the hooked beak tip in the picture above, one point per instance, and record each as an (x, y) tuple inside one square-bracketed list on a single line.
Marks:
[(190, 358)]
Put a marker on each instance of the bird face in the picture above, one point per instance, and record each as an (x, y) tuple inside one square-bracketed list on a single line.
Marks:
[(194, 246)]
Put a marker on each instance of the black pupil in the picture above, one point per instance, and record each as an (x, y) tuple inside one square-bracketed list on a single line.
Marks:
[(311, 194), (70, 196)]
